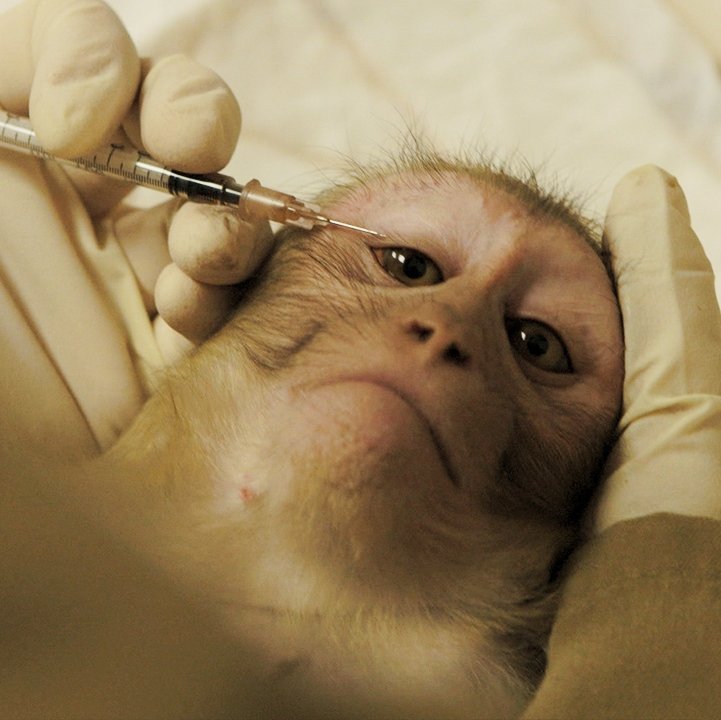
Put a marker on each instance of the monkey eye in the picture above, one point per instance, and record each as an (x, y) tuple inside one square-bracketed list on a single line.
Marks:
[(539, 345), (409, 266)]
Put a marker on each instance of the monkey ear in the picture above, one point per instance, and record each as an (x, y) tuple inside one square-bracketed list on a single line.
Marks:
[(668, 451)]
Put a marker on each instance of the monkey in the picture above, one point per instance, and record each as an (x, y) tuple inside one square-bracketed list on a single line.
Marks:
[(371, 473)]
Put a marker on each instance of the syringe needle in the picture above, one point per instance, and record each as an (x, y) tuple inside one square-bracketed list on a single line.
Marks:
[(299, 213), (324, 221)]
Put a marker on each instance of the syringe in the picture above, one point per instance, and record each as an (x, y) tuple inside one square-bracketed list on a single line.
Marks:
[(253, 201)]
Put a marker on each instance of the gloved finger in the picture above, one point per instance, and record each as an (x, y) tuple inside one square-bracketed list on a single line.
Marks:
[(72, 66), (213, 245), (172, 345), (193, 309), (668, 453), (672, 325), (197, 104), (143, 235)]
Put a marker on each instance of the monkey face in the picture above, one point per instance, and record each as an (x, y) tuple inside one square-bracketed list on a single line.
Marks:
[(374, 467), (432, 399)]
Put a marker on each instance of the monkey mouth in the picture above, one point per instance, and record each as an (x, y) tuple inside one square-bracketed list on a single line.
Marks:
[(443, 456), (438, 443)]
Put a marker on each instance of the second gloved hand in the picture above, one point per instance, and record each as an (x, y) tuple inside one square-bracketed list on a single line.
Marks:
[(668, 454)]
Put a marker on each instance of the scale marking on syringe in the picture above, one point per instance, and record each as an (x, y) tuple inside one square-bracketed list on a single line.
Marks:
[(253, 199)]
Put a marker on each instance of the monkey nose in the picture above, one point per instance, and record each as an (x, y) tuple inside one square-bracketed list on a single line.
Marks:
[(439, 337)]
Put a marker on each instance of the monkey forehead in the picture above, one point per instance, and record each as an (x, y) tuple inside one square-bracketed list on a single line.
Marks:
[(441, 192)]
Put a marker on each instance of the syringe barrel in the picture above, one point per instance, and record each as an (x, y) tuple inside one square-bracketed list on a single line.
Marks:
[(214, 189), (254, 201), (17, 132), (115, 160)]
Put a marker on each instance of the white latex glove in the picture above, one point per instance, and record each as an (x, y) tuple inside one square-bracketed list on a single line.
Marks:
[(72, 67), (78, 349), (668, 455)]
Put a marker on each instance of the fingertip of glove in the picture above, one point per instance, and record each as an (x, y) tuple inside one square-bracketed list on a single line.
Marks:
[(87, 72), (172, 345), (214, 246), (200, 107), (646, 186), (193, 309)]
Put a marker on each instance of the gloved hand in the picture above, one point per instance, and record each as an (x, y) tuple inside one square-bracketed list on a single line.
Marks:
[(668, 454), (72, 67)]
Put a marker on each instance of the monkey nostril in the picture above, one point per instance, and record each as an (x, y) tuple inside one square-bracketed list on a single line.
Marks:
[(444, 347), (453, 354), (421, 332)]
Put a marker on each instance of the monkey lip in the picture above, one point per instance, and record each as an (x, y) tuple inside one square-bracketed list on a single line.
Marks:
[(438, 444), (437, 441)]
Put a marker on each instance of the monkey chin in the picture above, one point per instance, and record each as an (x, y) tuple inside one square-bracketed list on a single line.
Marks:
[(359, 479), (369, 558), (348, 440)]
